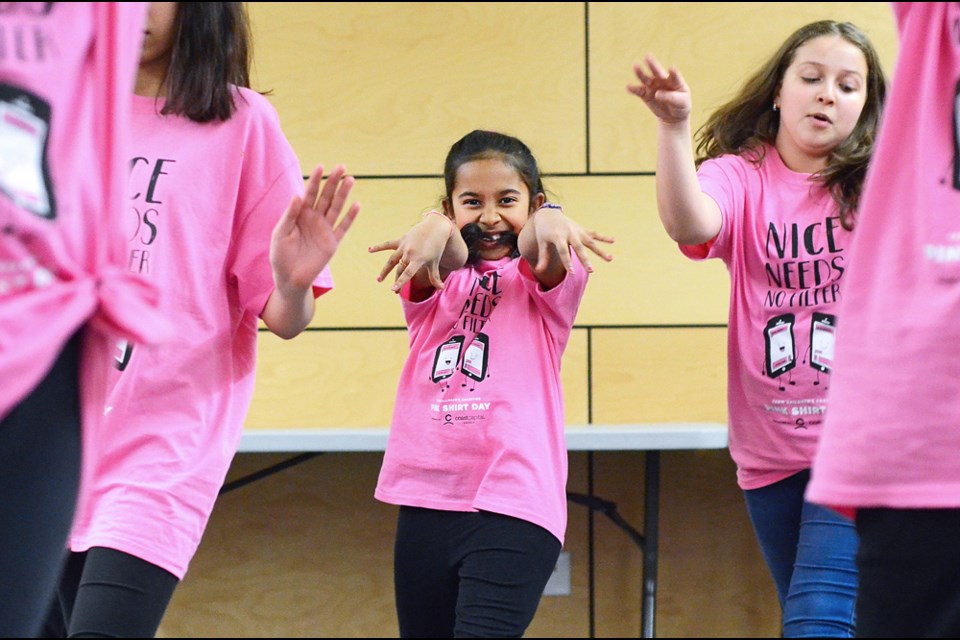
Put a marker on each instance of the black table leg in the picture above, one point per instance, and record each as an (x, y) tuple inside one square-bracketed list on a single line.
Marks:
[(651, 512)]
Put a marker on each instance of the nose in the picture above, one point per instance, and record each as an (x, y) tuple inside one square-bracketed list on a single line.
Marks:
[(490, 216), (826, 94)]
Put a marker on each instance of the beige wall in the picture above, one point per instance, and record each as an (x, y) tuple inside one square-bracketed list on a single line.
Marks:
[(386, 89)]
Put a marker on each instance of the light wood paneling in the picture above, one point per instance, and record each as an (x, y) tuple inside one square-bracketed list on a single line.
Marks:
[(660, 375), (387, 87), (649, 281), (714, 45)]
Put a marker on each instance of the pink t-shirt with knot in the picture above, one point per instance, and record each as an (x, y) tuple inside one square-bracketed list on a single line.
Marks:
[(66, 76)]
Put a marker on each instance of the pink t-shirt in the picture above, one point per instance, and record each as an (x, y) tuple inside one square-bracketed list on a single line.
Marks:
[(785, 250), (66, 73), (892, 438), (478, 422), (204, 199)]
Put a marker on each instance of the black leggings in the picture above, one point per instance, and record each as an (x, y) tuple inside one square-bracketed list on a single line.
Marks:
[(909, 561), (105, 593), (469, 575), (39, 477)]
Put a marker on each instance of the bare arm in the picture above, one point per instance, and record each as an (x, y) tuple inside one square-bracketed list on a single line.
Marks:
[(688, 215), (425, 255)]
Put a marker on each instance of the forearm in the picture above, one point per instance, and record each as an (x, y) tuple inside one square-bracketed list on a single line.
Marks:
[(548, 267), (688, 215), (435, 244), (288, 311)]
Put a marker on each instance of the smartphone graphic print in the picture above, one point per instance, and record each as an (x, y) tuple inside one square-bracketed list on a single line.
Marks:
[(24, 128), (475, 358), (781, 349), (823, 334), (446, 358)]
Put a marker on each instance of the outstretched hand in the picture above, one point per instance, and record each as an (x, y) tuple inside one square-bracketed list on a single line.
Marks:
[(665, 92), (422, 247), (556, 234), (308, 234)]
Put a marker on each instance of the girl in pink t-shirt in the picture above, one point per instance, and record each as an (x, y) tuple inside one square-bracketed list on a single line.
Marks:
[(476, 456), (781, 167), (66, 71), (219, 220)]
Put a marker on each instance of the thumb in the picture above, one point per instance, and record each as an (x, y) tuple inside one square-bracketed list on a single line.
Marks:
[(288, 221)]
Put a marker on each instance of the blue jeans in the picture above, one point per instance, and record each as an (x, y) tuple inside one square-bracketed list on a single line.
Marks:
[(811, 551)]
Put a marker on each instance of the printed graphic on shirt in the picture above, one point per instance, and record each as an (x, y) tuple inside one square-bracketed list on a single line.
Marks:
[(147, 210), (464, 358), (781, 340), (446, 359), (125, 350), (143, 223), (822, 337), (24, 134), (780, 347), (804, 264)]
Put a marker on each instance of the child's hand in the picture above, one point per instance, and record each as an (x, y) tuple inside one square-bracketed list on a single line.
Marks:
[(308, 234), (664, 92), (556, 234), (419, 248)]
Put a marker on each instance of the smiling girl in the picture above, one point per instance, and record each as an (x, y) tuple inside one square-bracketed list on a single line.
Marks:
[(476, 456)]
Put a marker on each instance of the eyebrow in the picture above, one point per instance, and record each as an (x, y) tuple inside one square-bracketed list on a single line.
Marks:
[(475, 195), (821, 65)]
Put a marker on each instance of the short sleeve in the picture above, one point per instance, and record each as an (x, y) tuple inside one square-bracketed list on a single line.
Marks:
[(723, 181), (559, 305)]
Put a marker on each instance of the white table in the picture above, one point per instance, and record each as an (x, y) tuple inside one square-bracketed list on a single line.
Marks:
[(652, 438)]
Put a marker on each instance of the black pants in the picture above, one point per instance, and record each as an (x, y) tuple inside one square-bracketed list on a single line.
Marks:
[(475, 574), (39, 477), (909, 563), (105, 593)]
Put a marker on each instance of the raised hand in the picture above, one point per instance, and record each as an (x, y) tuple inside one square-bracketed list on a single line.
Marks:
[(310, 230), (665, 92)]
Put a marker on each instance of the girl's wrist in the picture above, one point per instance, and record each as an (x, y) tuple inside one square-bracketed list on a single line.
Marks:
[(453, 227)]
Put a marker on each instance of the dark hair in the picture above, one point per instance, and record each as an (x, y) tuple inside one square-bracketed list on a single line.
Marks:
[(746, 123), (210, 55), (481, 145)]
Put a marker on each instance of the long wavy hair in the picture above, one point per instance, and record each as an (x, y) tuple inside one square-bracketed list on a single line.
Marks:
[(747, 123)]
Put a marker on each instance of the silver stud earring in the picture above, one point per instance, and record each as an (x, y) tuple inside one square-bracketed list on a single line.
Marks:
[(776, 107)]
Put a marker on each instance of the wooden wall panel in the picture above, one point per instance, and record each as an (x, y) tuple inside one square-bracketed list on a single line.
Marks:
[(387, 87), (660, 375), (649, 281), (715, 46)]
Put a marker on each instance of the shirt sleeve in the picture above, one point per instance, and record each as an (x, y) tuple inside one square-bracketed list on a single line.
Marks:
[(269, 177), (559, 305), (722, 180)]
